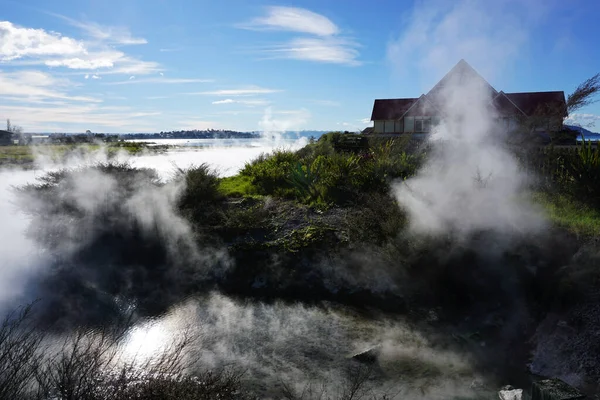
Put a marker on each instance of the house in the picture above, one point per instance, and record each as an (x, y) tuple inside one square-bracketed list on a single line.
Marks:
[(6, 138), (537, 111)]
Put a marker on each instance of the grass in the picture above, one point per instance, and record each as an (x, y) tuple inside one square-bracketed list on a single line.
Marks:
[(569, 213), (19, 155), (237, 186)]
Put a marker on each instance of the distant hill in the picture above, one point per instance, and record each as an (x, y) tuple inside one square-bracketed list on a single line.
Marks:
[(585, 132)]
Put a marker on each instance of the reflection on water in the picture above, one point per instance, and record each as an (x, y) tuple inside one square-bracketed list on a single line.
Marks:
[(276, 344)]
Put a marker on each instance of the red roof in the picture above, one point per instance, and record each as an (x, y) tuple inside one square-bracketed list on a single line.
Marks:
[(528, 103), (539, 103), (390, 108)]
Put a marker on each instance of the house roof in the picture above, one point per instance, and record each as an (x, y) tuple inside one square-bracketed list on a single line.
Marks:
[(391, 108), (504, 106), (539, 103), (523, 103), (5, 133)]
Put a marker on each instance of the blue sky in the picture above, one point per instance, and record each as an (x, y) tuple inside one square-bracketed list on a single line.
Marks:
[(152, 65)]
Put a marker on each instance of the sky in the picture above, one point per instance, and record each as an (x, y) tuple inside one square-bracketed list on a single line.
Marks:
[(158, 65)]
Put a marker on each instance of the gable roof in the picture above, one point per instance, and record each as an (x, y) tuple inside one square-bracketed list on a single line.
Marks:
[(539, 103), (391, 108), (422, 106), (504, 105), (462, 72)]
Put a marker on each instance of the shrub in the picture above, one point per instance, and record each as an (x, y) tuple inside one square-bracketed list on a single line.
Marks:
[(270, 172), (201, 195)]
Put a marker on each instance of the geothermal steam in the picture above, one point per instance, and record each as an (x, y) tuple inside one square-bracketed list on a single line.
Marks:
[(470, 182)]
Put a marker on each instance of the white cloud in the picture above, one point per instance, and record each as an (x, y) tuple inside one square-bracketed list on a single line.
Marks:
[(17, 42), (36, 86), (96, 77), (324, 46), (365, 120), (583, 120), (105, 33), (131, 77), (87, 76), (296, 20), (161, 80), (80, 63), (250, 91), (251, 103), (27, 46), (226, 101)]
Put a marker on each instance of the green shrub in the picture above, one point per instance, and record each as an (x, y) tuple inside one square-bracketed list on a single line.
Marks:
[(270, 172), (201, 193)]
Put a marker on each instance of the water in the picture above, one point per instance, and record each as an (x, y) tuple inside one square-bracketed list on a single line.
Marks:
[(226, 156)]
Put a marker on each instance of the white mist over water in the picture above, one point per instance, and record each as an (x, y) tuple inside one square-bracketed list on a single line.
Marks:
[(227, 157)]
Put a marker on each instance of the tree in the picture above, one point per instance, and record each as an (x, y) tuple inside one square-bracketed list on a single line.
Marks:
[(17, 133), (584, 94)]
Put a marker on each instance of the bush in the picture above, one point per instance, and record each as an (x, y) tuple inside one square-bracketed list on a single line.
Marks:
[(269, 173), (201, 194)]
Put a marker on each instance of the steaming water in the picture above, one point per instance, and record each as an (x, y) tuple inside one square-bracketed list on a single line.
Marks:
[(226, 156)]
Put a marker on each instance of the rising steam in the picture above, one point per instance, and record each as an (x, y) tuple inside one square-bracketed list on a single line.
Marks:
[(471, 182)]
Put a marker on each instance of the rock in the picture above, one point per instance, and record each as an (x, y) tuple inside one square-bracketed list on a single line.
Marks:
[(368, 356), (509, 393), (554, 389)]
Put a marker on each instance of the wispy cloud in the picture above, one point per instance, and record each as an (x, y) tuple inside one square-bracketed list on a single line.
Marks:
[(325, 45), (37, 86), (490, 35), (171, 81), (325, 50), (251, 103), (249, 91), (293, 120), (170, 49), (104, 33), (294, 19), (582, 119), (327, 103), (78, 118)]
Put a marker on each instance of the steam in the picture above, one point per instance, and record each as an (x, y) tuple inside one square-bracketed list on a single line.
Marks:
[(471, 181)]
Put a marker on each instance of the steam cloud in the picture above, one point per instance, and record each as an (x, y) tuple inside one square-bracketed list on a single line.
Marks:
[(471, 181)]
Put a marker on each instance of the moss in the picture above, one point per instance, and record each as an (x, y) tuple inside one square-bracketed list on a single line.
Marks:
[(302, 238)]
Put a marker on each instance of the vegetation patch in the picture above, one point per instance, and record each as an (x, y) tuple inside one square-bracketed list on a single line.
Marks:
[(569, 213)]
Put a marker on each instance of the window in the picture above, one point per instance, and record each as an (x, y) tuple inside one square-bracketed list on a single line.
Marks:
[(409, 124), (389, 126), (400, 126), (418, 125), (378, 128), (422, 124)]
